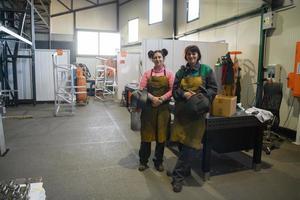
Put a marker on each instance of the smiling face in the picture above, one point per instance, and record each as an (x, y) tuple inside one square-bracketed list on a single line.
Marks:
[(158, 59), (192, 57)]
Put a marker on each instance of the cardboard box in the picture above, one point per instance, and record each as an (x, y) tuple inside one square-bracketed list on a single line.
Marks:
[(224, 106)]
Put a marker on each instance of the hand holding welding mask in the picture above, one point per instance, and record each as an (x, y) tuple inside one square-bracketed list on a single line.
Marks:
[(193, 90)]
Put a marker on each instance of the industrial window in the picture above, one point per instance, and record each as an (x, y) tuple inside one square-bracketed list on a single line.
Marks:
[(109, 43), (97, 43), (155, 11), (87, 43), (133, 30), (192, 10)]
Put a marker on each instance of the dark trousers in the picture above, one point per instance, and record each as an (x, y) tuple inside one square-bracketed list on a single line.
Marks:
[(145, 151), (183, 164)]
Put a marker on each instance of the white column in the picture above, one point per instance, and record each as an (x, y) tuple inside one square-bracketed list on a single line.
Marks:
[(297, 142)]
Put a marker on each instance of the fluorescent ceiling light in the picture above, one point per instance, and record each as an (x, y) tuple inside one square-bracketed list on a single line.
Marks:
[(6, 30)]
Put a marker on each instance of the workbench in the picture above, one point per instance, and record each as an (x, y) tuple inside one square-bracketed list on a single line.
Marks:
[(230, 134)]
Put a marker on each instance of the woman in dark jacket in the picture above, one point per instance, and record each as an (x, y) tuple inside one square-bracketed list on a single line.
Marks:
[(194, 89)]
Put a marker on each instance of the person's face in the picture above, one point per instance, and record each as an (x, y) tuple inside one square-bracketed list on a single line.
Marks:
[(192, 57), (158, 59)]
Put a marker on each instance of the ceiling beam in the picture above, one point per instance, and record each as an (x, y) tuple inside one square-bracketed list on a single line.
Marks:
[(84, 8)]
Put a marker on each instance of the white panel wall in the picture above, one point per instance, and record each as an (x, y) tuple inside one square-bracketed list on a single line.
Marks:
[(210, 52), (44, 72), (129, 71), (23, 76)]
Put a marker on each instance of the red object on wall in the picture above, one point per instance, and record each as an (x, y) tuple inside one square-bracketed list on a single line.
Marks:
[(294, 77)]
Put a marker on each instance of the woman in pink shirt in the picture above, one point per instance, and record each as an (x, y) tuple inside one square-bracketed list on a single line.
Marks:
[(155, 116)]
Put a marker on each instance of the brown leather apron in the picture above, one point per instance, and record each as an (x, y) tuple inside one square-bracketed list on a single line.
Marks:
[(155, 120), (186, 129)]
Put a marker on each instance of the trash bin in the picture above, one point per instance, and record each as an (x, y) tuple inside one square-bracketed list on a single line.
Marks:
[(135, 117)]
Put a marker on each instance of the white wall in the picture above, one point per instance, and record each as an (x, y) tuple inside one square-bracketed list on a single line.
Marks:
[(129, 70), (44, 72), (212, 11), (98, 18), (139, 9)]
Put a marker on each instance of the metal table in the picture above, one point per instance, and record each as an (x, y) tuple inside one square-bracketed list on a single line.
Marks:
[(230, 134)]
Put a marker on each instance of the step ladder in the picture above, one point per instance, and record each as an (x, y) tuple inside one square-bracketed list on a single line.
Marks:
[(105, 81), (64, 87)]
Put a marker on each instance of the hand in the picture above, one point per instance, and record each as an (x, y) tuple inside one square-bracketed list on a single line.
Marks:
[(188, 95), (156, 101)]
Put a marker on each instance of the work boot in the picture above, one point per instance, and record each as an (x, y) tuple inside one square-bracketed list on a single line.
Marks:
[(159, 167), (177, 186), (143, 167), (169, 173)]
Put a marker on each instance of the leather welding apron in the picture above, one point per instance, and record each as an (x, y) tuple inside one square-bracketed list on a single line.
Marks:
[(155, 120), (187, 129)]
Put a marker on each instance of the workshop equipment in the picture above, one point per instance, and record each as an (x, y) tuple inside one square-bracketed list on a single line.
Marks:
[(64, 86), (105, 80), (294, 77), (294, 85), (224, 106), (237, 75), (81, 93)]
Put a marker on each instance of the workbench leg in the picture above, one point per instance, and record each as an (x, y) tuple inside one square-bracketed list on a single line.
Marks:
[(257, 149), (206, 161)]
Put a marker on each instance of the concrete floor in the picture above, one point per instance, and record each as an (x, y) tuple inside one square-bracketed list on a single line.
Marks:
[(93, 155)]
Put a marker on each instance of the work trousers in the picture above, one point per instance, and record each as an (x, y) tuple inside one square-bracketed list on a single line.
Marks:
[(183, 164), (145, 151)]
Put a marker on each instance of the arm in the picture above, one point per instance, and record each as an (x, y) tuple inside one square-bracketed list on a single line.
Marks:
[(211, 86), (144, 81), (177, 92)]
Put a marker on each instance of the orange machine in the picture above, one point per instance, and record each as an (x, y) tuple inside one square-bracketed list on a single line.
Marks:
[(81, 81), (294, 77)]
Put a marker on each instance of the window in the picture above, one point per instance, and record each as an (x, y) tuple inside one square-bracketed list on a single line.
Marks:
[(109, 43), (192, 10), (87, 43), (155, 11), (133, 30), (97, 43)]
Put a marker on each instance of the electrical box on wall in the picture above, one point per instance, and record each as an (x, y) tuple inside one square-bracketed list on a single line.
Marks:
[(269, 20), (294, 77), (273, 72)]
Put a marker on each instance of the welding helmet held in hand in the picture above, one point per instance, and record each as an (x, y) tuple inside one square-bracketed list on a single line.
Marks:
[(139, 98), (197, 105)]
